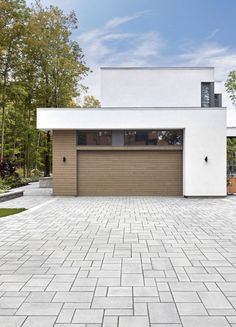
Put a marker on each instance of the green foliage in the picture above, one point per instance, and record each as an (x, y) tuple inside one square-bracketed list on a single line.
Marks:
[(40, 66), (35, 173), (15, 181), (231, 149), (231, 155), (91, 102), (9, 178), (10, 211), (231, 86), (3, 186), (7, 168)]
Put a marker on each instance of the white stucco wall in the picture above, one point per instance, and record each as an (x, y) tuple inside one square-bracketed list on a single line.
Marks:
[(231, 131), (204, 135), (231, 119), (153, 87)]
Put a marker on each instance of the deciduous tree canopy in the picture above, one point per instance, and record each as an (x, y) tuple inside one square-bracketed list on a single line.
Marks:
[(40, 66), (91, 102), (231, 86)]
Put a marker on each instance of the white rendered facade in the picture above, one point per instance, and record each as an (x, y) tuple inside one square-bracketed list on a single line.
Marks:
[(153, 87), (168, 98)]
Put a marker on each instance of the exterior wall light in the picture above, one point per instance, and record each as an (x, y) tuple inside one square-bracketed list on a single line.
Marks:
[(206, 159), (64, 159)]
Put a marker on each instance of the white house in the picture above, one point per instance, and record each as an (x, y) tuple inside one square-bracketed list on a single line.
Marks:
[(160, 131)]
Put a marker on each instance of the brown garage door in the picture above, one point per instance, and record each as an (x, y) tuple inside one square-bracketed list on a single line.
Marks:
[(129, 173)]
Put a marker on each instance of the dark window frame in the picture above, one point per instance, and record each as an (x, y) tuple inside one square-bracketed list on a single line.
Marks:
[(138, 138), (218, 100), (96, 136)]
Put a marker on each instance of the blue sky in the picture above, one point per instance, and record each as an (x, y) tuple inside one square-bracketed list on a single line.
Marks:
[(154, 33)]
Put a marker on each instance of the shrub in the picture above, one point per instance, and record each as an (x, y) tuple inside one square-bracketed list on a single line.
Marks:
[(3, 186), (16, 181), (9, 178), (35, 173), (8, 168)]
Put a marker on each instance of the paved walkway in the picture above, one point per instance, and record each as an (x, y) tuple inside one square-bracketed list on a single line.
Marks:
[(33, 196), (127, 262)]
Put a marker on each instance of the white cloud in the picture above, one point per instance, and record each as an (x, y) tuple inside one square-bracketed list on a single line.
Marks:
[(122, 20), (102, 46), (202, 54), (105, 46), (142, 49), (150, 45), (223, 59), (212, 34)]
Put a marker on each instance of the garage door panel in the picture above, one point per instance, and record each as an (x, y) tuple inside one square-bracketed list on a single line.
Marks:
[(130, 173)]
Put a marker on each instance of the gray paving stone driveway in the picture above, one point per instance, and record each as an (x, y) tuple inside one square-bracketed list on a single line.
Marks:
[(122, 261)]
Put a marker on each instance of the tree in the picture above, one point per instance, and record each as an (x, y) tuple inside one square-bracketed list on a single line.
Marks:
[(40, 66), (91, 102), (13, 18), (231, 86), (231, 159), (59, 60)]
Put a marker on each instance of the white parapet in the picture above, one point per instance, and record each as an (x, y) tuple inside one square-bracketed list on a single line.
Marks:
[(231, 131)]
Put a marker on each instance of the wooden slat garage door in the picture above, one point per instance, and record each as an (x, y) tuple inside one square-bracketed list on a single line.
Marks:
[(108, 173)]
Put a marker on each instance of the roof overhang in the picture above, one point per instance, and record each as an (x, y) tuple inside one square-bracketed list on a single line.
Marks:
[(126, 118)]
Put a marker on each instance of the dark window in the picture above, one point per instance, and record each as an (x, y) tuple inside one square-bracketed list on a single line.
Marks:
[(218, 100), (157, 137), (207, 94), (231, 165), (140, 137), (94, 138), (170, 137)]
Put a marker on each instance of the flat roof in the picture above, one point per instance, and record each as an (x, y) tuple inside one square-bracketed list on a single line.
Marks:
[(130, 108), (157, 68), (132, 118)]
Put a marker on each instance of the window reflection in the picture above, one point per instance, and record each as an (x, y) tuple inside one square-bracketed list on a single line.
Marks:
[(170, 137), (157, 137), (94, 138), (132, 137)]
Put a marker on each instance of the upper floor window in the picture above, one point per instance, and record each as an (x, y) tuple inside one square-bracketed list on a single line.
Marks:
[(207, 94), (153, 137), (218, 100), (94, 138)]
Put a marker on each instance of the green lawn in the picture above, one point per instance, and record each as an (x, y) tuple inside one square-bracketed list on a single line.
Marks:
[(10, 211)]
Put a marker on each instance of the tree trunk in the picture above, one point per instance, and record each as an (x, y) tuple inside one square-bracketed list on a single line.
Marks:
[(14, 134), (28, 136), (3, 114), (3, 131), (37, 150)]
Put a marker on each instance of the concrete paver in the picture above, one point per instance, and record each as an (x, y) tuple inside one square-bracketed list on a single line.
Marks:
[(118, 261)]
